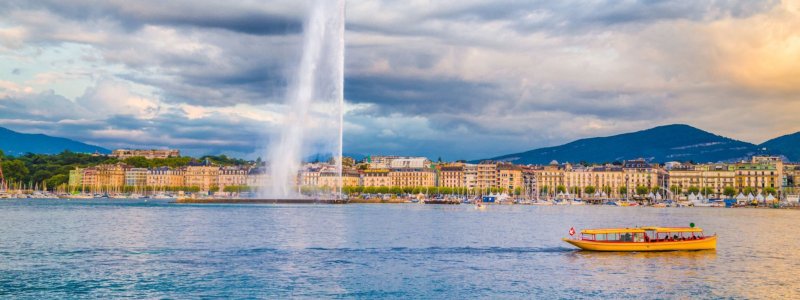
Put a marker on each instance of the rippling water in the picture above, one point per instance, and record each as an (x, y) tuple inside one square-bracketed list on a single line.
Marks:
[(131, 248)]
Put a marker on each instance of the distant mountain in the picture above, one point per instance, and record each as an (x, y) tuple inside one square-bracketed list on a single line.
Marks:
[(327, 156), (787, 145), (660, 144), (16, 143)]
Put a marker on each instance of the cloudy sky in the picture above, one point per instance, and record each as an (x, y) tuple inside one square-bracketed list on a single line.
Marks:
[(459, 79)]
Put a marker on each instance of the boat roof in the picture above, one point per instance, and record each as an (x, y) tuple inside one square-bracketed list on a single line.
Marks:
[(611, 230), (640, 229), (673, 229)]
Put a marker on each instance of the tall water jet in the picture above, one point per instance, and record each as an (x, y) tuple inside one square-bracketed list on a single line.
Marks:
[(313, 120)]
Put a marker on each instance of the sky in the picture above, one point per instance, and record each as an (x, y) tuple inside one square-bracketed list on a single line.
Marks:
[(464, 79)]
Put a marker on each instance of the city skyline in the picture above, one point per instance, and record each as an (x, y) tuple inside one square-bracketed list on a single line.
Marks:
[(420, 77)]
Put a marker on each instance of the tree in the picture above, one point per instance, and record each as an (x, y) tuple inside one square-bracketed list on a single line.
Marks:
[(623, 190), (749, 190), (347, 190), (693, 190), (544, 189), (15, 170), (518, 191), (729, 191), (561, 189), (396, 190), (383, 190), (675, 189), (55, 181), (575, 190), (642, 190), (589, 190), (137, 162), (707, 191), (445, 190), (41, 175), (770, 190)]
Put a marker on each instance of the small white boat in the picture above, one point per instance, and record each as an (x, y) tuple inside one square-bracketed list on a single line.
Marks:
[(577, 202)]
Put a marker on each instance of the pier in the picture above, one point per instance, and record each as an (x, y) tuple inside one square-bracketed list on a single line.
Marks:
[(260, 201)]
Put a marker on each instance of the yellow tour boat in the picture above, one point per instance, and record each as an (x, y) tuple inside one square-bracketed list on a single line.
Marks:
[(644, 239)]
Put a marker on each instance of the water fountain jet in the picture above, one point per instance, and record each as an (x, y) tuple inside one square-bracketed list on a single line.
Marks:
[(315, 103)]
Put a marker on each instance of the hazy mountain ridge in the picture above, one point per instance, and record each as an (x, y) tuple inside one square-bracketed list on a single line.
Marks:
[(663, 143), (787, 145), (16, 143)]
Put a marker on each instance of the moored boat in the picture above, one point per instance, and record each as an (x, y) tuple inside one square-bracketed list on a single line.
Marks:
[(644, 239)]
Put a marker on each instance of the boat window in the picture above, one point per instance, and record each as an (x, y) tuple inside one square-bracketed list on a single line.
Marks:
[(638, 237), (627, 237), (612, 237)]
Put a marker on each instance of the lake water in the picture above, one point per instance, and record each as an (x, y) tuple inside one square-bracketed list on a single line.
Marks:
[(131, 248)]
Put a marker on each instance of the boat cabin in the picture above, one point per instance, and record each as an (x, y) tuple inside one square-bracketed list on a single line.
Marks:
[(642, 234)]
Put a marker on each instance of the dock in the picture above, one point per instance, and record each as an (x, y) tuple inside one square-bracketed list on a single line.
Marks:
[(260, 201)]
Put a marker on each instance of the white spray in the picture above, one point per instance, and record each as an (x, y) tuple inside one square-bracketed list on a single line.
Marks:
[(315, 101)]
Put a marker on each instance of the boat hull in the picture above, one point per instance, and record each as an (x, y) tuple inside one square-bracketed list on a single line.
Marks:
[(708, 243)]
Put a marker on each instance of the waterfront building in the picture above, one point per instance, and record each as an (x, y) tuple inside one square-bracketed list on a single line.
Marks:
[(111, 175), (708, 179), (232, 176), (529, 181), (757, 176), (204, 176), (412, 177), (470, 176), (639, 173), (452, 175), (791, 175), (75, 177), (309, 176), (163, 177), (509, 177), (549, 178), (330, 178), (409, 163), (257, 177), (380, 161), (716, 177), (351, 177), (136, 177), (376, 178), (89, 179), (149, 153), (615, 181), (683, 177), (486, 175)]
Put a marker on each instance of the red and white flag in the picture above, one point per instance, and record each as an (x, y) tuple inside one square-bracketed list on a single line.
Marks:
[(572, 231)]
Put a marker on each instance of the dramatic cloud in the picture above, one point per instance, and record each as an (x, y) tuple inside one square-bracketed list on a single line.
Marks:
[(457, 79)]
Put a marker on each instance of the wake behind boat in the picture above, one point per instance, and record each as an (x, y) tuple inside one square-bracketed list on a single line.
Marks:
[(643, 239)]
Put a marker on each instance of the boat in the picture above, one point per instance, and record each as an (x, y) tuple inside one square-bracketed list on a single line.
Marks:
[(643, 239), (442, 201), (479, 205), (577, 202)]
